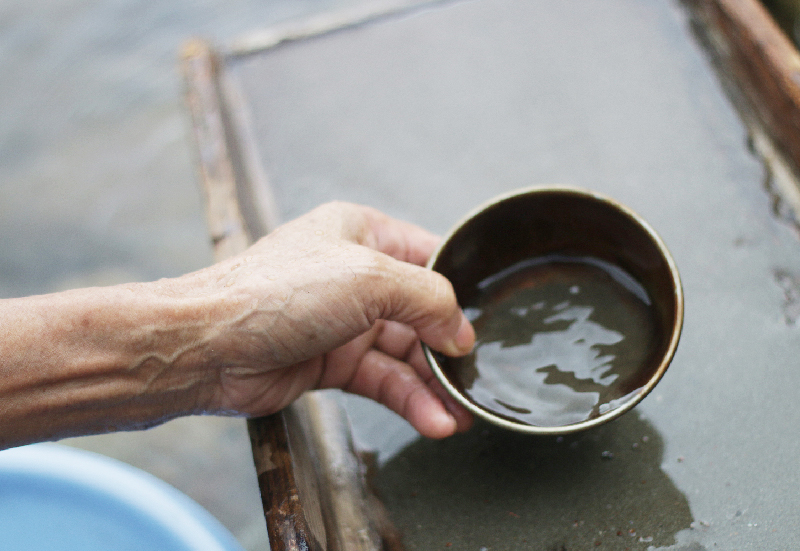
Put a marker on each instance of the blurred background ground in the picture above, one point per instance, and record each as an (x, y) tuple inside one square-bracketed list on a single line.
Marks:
[(98, 186)]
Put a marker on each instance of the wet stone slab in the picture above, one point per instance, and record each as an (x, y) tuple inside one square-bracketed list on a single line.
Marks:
[(428, 115)]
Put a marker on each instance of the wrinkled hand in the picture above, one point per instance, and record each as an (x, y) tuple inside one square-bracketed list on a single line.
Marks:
[(338, 299)]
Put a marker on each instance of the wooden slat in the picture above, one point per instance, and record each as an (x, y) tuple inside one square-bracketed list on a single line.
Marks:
[(759, 63), (217, 172), (289, 525), (312, 485)]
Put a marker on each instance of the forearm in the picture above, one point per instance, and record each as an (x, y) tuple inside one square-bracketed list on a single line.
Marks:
[(94, 360), (303, 308)]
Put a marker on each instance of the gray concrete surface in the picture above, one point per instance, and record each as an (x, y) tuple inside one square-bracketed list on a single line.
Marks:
[(429, 115)]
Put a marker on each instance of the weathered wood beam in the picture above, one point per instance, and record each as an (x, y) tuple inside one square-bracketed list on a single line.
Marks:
[(217, 173), (312, 484), (761, 67)]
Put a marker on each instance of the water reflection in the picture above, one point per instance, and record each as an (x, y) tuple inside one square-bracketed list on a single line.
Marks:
[(560, 339), (505, 491)]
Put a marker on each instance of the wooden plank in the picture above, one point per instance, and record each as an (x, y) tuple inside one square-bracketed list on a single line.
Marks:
[(311, 481), (284, 488), (750, 46), (217, 173), (760, 68)]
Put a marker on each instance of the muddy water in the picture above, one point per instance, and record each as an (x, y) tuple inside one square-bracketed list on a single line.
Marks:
[(559, 340)]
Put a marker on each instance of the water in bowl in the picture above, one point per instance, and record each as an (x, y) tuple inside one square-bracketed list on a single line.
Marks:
[(560, 339)]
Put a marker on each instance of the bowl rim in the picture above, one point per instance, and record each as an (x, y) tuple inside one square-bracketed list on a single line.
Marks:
[(635, 397)]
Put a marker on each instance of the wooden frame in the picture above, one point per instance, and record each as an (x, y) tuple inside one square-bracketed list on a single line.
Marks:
[(312, 484)]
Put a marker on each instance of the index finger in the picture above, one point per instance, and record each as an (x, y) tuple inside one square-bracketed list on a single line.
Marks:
[(399, 239)]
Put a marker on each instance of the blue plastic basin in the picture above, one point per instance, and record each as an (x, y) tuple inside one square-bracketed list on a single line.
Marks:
[(57, 498)]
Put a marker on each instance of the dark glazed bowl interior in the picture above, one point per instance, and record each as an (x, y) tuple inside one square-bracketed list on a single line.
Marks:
[(562, 222)]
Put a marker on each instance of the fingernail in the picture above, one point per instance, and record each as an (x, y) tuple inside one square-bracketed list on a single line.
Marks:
[(446, 424), (462, 417), (464, 340)]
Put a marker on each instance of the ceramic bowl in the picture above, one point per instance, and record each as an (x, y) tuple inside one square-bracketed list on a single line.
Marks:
[(577, 306)]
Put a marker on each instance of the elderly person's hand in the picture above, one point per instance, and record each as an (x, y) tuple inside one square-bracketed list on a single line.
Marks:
[(336, 298)]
